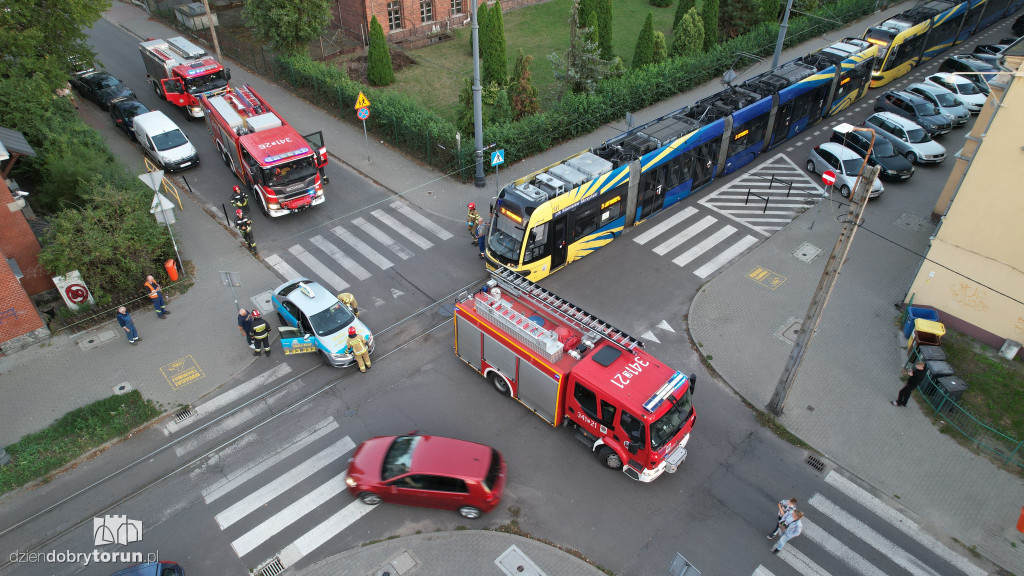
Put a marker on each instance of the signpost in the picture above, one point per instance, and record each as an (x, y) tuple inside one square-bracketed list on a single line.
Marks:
[(497, 159), (363, 112)]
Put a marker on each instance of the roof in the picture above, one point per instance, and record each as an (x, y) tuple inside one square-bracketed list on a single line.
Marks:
[(280, 144), (321, 300), (15, 142), (155, 122), (842, 152), (436, 455), (631, 378)]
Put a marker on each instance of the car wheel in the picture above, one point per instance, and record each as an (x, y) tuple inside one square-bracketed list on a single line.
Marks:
[(469, 512), (224, 156), (371, 499), (810, 166), (609, 458), (156, 88), (845, 191), (326, 359), (912, 157), (500, 384)]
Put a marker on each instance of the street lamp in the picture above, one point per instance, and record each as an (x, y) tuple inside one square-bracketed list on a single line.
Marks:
[(845, 129)]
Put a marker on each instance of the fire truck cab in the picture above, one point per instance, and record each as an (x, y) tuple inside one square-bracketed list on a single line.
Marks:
[(182, 72), (573, 369)]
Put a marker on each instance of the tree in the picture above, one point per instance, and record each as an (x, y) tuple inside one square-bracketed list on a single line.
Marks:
[(769, 10), (739, 16), (681, 9), (522, 93), (604, 28), (710, 17), (660, 49), (288, 25), (644, 53), (587, 7), (495, 65), (481, 24), (465, 120), (501, 110), (378, 62), (688, 37), (581, 68)]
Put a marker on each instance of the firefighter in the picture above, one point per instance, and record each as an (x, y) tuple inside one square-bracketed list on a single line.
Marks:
[(350, 301), (239, 200), (244, 225), (472, 220), (359, 349), (260, 334)]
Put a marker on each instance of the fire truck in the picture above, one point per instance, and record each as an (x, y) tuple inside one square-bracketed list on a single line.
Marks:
[(575, 370), (182, 72), (283, 169)]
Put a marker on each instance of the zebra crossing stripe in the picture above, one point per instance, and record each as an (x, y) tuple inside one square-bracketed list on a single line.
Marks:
[(361, 247), (383, 238), (869, 535), (904, 524), (725, 256), (815, 534), (685, 235), (402, 229), (421, 220), (231, 396), (236, 419), (271, 526), (800, 562), (761, 571), (708, 243), (325, 273), (665, 225), (340, 257), (323, 532), (282, 267), (279, 485)]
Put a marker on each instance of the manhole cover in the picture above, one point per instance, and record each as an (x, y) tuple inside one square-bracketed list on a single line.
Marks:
[(806, 252), (122, 388), (514, 563), (790, 331), (94, 340), (910, 222)]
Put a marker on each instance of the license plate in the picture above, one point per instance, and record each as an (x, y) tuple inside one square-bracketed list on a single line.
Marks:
[(184, 164)]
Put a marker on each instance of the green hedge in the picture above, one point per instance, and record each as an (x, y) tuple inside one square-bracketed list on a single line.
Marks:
[(406, 124)]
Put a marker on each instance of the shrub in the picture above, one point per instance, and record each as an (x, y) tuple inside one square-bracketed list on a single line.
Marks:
[(379, 71), (644, 53)]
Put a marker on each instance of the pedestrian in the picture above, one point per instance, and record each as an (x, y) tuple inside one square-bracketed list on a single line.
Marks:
[(124, 319), (239, 200), (245, 326), (244, 225), (156, 296), (790, 527), (349, 300), (472, 220), (784, 507), (358, 348), (917, 375), (481, 235), (260, 334)]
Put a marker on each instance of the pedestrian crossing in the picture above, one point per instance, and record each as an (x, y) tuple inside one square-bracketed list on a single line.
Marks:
[(858, 537), (351, 253), (678, 230)]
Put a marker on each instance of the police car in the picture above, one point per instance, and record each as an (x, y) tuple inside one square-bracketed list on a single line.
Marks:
[(319, 320)]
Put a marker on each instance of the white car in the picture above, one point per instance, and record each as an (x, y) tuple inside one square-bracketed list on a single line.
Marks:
[(164, 142), (965, 90), (845, 163)]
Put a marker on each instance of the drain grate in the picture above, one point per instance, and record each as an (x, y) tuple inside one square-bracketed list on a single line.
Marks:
[(186, 413), (814, 462), (271, 567)]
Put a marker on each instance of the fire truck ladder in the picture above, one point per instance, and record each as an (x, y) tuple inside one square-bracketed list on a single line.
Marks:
[(561, 308), (248, 101)]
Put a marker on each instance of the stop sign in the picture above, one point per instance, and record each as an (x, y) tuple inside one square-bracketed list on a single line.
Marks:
[(828, 177)]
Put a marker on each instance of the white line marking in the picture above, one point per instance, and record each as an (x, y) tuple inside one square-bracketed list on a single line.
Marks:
[(665, 225), (815, 534), (218, 402), (383, 238), (318, 268), (800, 562), (685, 235), (209, 434), (232, 481), (762, 571), (422, 220), (665, 326), (708, 243), (725, 256), (904, 524), (340, 257), (279, 485), (271, 526), (361, 247), (281, 266), (402, 229), (323, 532), (650, 336)]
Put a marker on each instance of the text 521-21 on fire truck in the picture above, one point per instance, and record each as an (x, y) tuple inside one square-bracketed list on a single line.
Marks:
[(573, 369), (283, 169), (182, 73)]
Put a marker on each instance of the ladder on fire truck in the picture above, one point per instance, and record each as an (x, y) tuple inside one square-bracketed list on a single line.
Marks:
[(243, 99), (516, 284)]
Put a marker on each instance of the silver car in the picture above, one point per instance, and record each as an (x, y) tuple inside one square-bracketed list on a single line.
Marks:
[(845, 163), (948, 104), (909, 139)]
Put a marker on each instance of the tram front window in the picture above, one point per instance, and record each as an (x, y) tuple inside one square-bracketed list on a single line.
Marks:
[(506, 239)]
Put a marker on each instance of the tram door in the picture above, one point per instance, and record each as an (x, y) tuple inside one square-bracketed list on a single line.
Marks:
[(704, 167), (652, 191), (782, 119), (558, 243)]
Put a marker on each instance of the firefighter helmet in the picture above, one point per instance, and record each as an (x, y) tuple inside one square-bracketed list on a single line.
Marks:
[(471, 206), (236, 189), (351, 331), (238, 212), (255, 313)]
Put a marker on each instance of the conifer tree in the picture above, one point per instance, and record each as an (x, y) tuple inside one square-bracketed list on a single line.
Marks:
[(710, 16), (581, 68), (604, 28), (378, 62), (495, 66), (522, 93), (643, 55), (681, 9), (660, 52), (688, 37)]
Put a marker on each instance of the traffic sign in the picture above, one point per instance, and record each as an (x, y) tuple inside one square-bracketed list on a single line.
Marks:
[(828, 177), (363, 113), (362, 101), (498, 157)]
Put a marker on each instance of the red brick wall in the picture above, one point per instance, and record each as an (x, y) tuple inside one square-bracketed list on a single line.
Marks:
[(17, 241), (412, 27), (17, 314)]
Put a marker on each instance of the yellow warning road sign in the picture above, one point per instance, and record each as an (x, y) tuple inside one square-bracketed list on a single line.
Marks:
[(362, 101)]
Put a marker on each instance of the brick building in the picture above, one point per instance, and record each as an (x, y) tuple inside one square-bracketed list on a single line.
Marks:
[(413, 20)]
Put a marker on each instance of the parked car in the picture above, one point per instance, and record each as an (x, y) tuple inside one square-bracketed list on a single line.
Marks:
[(907, 137), (975, 70), (162, 568), (948, 104), (967, 91), (845, 163), (427, 471), (914, 107), (321, 318), (164, 142), (991, 53), (892, 165), (123, 113), (1018, 27), (100, 87)]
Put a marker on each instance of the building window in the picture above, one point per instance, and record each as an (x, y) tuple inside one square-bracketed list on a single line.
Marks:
[(456, 7), (426, 11), (395, 15)]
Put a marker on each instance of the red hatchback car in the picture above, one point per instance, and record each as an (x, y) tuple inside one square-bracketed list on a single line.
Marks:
[(428, 471)]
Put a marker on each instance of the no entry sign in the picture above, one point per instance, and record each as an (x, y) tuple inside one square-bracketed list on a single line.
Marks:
[(828, 177)]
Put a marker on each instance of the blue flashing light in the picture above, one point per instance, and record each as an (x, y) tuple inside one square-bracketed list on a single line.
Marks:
[(674, 383)]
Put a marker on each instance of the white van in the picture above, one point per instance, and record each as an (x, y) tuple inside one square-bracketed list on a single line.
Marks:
[(164, 142)]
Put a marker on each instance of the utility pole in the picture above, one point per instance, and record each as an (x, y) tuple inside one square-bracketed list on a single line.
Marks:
[(858, 201), (478, 119), (213, 31), (782, 35)]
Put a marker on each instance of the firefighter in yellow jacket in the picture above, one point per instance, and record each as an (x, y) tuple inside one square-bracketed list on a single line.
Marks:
[(358, 348), (349, 300)]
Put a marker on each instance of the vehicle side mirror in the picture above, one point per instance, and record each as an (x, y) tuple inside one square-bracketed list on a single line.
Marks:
[(693, 383), (227, 73), (632, 447)]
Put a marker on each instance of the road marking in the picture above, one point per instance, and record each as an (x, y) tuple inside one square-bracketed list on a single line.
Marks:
[(340, 257), (268, 492), (271, 526), (650, 336), (237, 419), (232, 481), (325, 273), (665, 225), (708, 243), (218, 402), (402, 229), (761, 571), (725, 256), (664, 326), (323, 532), (282, 267), (383, 238), (815, 534), (800, 562), (362, 248), (422, 220), (685, 235), (904, 524)]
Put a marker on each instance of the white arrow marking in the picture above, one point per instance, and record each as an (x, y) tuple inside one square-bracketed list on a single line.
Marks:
[(664, 326), (650, 336), (395, 293)]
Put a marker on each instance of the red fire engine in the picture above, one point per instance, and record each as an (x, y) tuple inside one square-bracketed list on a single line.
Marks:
[(573, 369), (283, 169), (182, 72)]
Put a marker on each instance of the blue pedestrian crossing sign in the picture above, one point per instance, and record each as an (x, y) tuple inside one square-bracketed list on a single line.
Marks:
[(498, 157)]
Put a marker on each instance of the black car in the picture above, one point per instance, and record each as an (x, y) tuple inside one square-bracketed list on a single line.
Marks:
[(122, 112), (991, 53), (1018, 27), (892, 165), (970, 67), (912, 106), (100, 87)]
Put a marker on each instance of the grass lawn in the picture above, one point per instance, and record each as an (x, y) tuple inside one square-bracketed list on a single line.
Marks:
[(994, 393)]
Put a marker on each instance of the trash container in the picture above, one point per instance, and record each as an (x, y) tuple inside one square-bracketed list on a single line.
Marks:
[(915, 313), (926, 332), (953, 386), (938, 368), (927, 353), (172, 270)]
